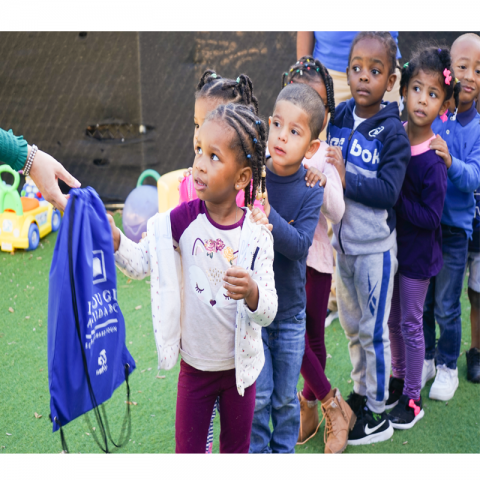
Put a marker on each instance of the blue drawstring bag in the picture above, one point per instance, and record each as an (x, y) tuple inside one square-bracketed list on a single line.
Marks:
[(87, 356)]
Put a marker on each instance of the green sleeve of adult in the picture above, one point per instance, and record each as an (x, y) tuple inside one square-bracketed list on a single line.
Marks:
[(13, 150)]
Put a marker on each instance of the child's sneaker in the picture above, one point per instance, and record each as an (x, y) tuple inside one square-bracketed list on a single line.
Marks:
[(395, 390), (370, 427), (309, 422), (445, 384), (407, 413), (331, 316), (356, 402), (473, 365), (428, 371), (339, 421)]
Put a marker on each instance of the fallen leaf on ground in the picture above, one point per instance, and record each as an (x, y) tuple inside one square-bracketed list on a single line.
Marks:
[(142, 371), (147, 282), (138, 307), (27, 317), (404, 443), (149, 368), (349, 381), (129, 280), (160, 376), (39, 258), (37, 415), (328, 355), (10, 309), (8, 434), (86, 433)]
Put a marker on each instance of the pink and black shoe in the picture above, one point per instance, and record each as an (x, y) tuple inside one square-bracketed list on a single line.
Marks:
[(407, 413), (395, 391)]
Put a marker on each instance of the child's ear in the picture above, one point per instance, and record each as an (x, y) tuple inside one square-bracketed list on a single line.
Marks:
[(243, 178), (391, 82), (348, 77), (404, 92), (312, 149)]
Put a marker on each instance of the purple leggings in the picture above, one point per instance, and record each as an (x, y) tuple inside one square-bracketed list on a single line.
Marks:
[(406, 332), (197, 392), (316, 385)]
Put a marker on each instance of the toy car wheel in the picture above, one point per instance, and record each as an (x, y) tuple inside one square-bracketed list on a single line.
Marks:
[(56, 219), (33, 237)]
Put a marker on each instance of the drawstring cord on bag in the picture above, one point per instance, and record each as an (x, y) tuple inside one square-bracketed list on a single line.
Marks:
[(103, 424)]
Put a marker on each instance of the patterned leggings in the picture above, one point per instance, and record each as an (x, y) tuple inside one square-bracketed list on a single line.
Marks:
[(406, 332)]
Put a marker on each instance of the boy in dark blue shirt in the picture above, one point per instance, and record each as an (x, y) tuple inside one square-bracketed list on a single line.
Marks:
[(293, 209)]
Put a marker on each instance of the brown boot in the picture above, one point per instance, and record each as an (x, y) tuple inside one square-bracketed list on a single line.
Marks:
[(309, 423), (340, 420)]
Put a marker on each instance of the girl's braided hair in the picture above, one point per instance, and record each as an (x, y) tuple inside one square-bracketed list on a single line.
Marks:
[(388, 42), (249, 141), (430, 58), (312, 71), (231, 91)]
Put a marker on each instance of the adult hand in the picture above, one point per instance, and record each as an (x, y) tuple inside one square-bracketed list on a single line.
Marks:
[(45, 172)]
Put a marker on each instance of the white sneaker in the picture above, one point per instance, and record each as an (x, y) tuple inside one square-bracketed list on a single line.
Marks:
[(445, 384), (428, 371), (330, 317)]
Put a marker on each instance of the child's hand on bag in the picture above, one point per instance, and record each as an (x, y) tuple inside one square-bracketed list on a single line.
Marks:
[(115, 233), (314, 175), (239, 284), (260, 218)]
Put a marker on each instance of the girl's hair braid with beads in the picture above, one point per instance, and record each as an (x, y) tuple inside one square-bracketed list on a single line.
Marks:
[(436, 60), (310, 70), (388, 42), (249, 141), (212, 85)]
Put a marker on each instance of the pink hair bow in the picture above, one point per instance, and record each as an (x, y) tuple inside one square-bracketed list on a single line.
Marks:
[(444, 117), (416, 408), (447, 76)]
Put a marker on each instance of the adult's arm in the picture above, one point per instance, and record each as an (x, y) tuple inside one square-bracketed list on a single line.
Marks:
[(305, 44), (45, 170)]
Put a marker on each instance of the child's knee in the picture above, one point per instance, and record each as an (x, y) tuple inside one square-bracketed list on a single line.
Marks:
[(474, 298)]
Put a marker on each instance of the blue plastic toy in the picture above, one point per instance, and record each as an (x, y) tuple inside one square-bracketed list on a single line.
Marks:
[(140, 205)]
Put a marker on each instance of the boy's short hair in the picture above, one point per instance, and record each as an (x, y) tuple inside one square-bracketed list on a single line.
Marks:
[(306, 98)]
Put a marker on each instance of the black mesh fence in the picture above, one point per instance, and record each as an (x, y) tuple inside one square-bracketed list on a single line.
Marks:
[(110, 105)]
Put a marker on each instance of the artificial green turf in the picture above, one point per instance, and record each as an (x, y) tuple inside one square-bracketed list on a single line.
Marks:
[(24, 377)]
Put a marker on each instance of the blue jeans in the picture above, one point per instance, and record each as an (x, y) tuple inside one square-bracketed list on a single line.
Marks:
[(284, 345), (443, 300)]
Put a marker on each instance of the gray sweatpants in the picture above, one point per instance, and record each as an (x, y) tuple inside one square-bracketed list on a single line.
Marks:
[(364, 296)]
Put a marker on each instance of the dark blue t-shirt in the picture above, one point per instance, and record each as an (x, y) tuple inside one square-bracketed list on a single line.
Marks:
[(295, 210)]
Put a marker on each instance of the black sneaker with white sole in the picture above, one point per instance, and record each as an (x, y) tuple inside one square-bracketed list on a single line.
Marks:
[(356, 402), (370, 427), (395, 390), (407, 413)]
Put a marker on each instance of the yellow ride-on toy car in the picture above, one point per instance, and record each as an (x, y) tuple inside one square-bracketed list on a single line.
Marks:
[(23, 221)]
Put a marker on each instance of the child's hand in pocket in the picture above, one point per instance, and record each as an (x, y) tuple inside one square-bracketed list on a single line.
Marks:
[(314, 175), (334, 156), (115, 233), (260, 218)]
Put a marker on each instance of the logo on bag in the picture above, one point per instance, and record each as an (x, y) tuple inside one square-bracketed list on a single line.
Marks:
[(102, 361), (98, 264)]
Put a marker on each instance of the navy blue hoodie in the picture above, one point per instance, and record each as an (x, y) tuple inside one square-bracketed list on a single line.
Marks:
[(376, 157)]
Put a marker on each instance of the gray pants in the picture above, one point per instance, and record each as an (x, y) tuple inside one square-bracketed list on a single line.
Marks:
[(364, 296)]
